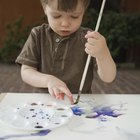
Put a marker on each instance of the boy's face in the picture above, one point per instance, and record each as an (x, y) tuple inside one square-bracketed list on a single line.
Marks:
[(64, 23)]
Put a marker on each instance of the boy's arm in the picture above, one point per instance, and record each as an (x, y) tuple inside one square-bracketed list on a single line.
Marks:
[(106, 67), (56, 87), (96, 47), (34, 78)]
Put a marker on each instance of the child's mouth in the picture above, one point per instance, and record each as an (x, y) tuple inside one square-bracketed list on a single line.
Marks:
[(65, 32)]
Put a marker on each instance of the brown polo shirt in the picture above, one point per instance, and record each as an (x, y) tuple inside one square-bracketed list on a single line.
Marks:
[(63, 57)]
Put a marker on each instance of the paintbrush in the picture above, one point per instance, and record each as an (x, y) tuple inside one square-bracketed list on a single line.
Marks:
[(89, 57)]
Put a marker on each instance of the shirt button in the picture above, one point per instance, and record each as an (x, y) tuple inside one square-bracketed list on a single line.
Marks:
[(57, 40)]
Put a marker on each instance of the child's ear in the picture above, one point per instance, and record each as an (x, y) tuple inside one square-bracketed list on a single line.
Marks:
[(45, 11), (43, 5)]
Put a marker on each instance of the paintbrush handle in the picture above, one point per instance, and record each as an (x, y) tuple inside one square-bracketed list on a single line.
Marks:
[(100, 15), (89, 57)]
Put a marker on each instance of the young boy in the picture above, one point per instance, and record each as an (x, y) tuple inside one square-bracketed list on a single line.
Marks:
[(55, 54)]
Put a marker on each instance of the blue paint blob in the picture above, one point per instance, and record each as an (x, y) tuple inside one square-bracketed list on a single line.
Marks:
[(77, 110)]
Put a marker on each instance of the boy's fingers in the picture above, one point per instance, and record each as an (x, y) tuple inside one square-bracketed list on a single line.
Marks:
[(68, 94), (61, 96), (57, 93), (88, 32), (93, 34), (51, 92)]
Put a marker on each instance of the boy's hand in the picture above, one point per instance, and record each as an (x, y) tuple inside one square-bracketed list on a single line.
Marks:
[(58, 89), (96, 45)]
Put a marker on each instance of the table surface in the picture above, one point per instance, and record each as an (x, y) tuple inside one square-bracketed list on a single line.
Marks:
[(117, 118)]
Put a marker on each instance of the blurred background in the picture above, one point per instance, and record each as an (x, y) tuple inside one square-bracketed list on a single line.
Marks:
[(120, 25)]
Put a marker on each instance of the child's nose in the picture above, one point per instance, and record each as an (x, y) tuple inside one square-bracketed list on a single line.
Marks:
[(65, 23)]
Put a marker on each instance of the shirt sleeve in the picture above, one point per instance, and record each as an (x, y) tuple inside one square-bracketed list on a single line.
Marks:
[(30, 53)]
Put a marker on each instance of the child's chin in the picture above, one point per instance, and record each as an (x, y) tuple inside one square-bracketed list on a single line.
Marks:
[(65, 33)]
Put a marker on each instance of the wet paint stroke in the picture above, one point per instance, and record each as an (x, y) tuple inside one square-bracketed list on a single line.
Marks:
[(40, 133), (100, 112)]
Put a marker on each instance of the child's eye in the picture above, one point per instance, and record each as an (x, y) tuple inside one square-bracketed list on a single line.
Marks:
[(74, 17), (57, 16)]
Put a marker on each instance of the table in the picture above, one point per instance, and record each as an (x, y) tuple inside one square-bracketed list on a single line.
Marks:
[(116, 117)]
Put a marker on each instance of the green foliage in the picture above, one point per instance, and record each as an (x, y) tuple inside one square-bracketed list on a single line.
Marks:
[(121, 30), (90, 18), (14, 41)]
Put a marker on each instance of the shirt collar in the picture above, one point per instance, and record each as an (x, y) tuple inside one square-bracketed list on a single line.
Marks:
[(60, 37)]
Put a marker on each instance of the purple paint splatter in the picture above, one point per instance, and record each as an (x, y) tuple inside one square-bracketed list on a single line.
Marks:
[(40, 133), (99, 111)]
